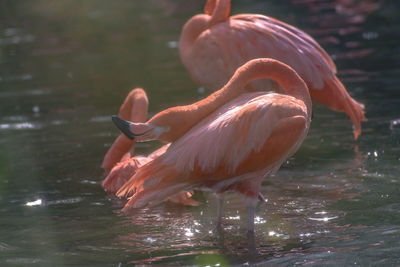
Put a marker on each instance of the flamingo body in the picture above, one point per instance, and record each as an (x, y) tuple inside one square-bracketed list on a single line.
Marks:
[(213, 45), (245, 139), (229, 44)]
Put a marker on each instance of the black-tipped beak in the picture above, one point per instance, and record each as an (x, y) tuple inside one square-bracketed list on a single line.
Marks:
[(123, 126)]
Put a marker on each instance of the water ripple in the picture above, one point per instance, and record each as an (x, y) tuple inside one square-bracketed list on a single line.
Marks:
[(20, 126), (323, 219), (18, 39), (42, 202), (33, 92), (6, 247), (101, 119), (65, 201), (25, 261)]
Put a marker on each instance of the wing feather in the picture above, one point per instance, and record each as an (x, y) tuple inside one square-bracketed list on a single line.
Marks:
[(232, 132)]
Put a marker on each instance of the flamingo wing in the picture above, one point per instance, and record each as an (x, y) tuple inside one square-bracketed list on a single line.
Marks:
[(255, 132), (121, 172), (125, 169)]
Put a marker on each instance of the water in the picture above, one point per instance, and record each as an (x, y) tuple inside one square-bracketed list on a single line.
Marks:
[(65, 67)]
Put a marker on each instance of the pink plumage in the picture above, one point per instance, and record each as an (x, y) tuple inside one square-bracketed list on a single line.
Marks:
[(213, 45)]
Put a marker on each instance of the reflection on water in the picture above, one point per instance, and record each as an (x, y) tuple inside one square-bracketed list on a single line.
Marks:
[(287, 224), (64, 69)]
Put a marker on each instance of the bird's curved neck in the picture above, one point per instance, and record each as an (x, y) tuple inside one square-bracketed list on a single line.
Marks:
[(263, 68), (135, 106), (216, 11), (181, 119), (133, 109), (190, 32), (256, 69), (219, 10)]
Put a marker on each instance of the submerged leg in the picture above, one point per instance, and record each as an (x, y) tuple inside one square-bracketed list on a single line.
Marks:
[(250, 189), (251, 203), (251, 239), (220, 207)]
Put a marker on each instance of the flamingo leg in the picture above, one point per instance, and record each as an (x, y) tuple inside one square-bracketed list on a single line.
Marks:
[(220, 207), (251, 203), (251, 239)]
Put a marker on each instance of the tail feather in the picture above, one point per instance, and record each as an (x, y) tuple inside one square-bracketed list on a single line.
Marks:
[(154, 183), (120, 174), (335, 97), (135, 181)]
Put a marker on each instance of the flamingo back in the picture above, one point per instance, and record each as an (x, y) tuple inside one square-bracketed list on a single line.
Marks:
[(227, 45)]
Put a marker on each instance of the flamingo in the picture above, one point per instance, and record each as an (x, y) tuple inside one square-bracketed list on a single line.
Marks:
[(134, 108), (120, 161), (213, 45), (227, 141)]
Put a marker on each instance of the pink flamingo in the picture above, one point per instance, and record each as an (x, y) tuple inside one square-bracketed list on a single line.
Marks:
[(134, 109), (120, 161), (227, 141), (213, 45)]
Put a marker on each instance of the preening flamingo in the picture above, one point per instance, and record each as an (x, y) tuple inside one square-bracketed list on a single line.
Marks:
[(120, 161), (227, 141), (134, 109), (213, 45)]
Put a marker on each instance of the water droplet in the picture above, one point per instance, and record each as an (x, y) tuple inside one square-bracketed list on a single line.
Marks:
[(305, 235), (259, 220), (189, 232), (150, 240), (271, 233)]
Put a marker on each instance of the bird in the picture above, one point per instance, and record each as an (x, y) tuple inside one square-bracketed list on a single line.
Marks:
[(134, 108), (213, 45), (227, 141), (120, 161)]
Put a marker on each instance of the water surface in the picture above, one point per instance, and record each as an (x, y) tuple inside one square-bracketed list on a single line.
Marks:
[(66, 66)]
